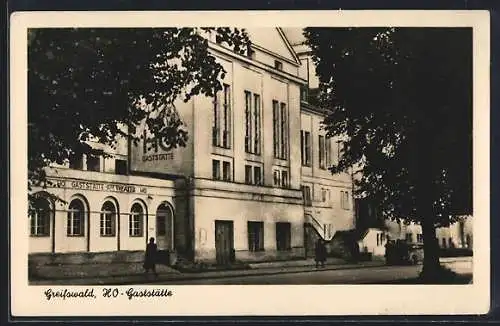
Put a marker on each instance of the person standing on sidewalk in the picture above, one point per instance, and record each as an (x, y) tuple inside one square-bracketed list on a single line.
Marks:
[(320, 253), (150, 257)]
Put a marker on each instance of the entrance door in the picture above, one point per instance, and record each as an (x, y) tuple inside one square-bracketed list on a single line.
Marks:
[(224, 242), (164, 227)]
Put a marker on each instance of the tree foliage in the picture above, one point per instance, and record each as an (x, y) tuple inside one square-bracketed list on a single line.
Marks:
[(87, 83), (403, 98)]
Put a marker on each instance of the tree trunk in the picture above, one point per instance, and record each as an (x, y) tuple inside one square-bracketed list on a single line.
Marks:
[(431, 267), (424, 201)]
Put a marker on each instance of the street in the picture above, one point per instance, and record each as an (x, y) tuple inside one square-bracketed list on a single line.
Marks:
[(366, 275)]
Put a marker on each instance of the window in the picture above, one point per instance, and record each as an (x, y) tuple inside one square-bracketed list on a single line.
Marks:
[(340, 149), (420, 238), (344, 199), (409, 237), (108, 219), (378, 239), (305, 145), (278, 65), (450, 243), (443, 241), (255, 236), (328, 152), (216, 169), (136, 221), (248, 174), (284, 178), (76, 218), (322, 153), (221, 127), (325, 159), (226, 171), (303, 93), (226, 174), (280, 130), (121, 167), (277, 178), (283, 236), (323, 194), (257, 175), (76, 162), (252, 123), (40, 218), (93, 163), (253, 174), (161, 224), (280, 178), (306, 195)]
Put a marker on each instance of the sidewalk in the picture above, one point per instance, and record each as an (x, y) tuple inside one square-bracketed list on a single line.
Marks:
[(170, 275)]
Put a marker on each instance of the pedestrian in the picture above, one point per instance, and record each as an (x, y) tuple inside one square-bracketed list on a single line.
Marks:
[(320, 253), (150, 257)]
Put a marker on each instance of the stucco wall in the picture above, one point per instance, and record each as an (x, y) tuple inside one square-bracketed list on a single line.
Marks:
[(241, 206)]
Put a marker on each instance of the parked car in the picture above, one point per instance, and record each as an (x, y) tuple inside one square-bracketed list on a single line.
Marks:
[(400, 252)]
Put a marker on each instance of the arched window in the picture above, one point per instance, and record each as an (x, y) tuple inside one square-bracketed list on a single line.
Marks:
[(136, 221), (40, 218), (108, 219), (76, 218)]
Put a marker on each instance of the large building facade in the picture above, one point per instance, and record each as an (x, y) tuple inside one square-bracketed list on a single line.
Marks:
[(251, 183)]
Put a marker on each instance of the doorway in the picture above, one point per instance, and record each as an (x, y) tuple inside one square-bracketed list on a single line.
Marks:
[(165, 227), (224, 242)]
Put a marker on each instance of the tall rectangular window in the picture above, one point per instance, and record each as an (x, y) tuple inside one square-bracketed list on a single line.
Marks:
[(221, 127), (277, 178), (256, 140), (280, 130), (40, 219), (216, 169), (306, 195), (257, 175), (226, 171), (305, 147), (255, 236), (283, 236), (248, 174), (276, 133), (322, 152), (284, 132), (252, 123), (248, 121), (340, 149), (344, 199), (284, 178), (328, 152)]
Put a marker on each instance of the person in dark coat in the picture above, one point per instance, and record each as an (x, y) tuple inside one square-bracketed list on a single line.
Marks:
[(150, 257), (320, 253)]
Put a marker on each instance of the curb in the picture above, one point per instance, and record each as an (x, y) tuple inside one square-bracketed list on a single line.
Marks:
[(198, 276)]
